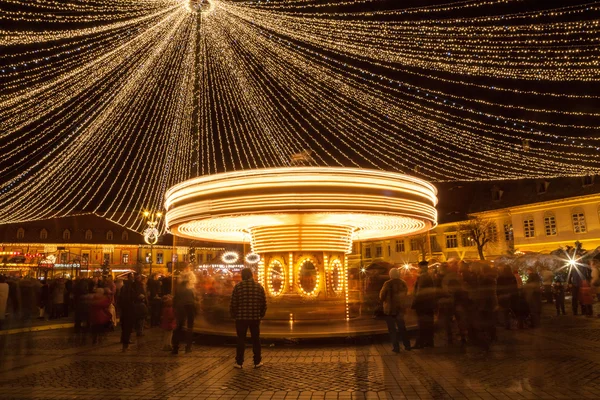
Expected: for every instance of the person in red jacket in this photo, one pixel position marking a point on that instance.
(168, 322)
(100, 317)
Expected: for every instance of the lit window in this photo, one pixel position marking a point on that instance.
(451, 241)
(508, 232)
(125, 258)
(579, 222)
(466, 241)
(109, 235)
(378, 252)
(20, 233)
(148, 258)
(88, 235)
(64, 258)
(159, 258)
(493, 232)
(400, 246)
(43, 234)
(550, 225)
(414, 245)
(368, 252)
(125, 236)
(528, 228)
(66, 234)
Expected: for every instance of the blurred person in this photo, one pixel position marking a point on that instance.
(168, 322)
(424, 305)
(248, 306)
(577, 274)
(188, 276)
(184, 303)
(3, 299)
(595, 278)
(57, 293)
(586, 298)
(487, 304)
(547, 279)
(80, 290)
(44, 303)
(449, 308)
(154, 301)
(393, 296)
(508, 294)
(127, 298)
(532, 291)
(558, 290)
(67, 297)
(99, 315)
(141, 313)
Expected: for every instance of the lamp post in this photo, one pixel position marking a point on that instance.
(151, 233)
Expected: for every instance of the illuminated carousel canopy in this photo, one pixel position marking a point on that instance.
(301, 208)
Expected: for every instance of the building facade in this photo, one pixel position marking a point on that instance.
(87, 243)
(539, 226)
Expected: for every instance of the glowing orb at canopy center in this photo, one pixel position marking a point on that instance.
(301, 208)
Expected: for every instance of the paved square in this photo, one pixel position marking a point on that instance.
(559, 361)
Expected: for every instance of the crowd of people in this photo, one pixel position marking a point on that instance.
(471, 299)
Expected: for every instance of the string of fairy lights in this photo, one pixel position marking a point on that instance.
(106, 104)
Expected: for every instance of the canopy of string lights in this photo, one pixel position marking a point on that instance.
(105, 104)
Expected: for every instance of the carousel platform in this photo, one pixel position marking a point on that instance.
(305, 329)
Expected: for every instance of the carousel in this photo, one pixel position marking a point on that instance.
(300, 224)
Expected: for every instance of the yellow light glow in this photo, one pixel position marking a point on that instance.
(301, 208)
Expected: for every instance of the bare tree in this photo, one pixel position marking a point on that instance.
(480, 231)
(421, 243)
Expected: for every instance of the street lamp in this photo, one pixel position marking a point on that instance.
(151, 233)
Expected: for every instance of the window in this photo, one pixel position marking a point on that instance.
(542, 187)
(66, 234)
(578, 222)
(588, 180)
(435, 246)
(378, 252)
(497, 194)
(85, 258)
(64, 257)
(508, 233)
(109, 235)
(88, 235)
(367, 252)
(208, 257)
(451, 241)
(159, 258)
(493, 232)
(20, 233)
(106, 258)
(125, 236)
(389, 250)
(125, 258)
(550, 225)
(43, 234)
(200, 258)
(148, 258)
(414, 244)
(466, 241)
(400, 246)
(528, 228)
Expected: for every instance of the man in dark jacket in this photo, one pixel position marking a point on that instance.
(248, 306)
(424, 305)
(127, 298)
(184, 304)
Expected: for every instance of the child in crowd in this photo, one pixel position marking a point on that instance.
(141, 313)
(558, 290)
(168, 322)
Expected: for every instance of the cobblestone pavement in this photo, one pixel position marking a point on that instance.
(559, 361)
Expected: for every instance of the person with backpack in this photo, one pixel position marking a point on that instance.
(393, 296)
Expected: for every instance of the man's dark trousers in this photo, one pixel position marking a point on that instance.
(241, 327)
(187, 313)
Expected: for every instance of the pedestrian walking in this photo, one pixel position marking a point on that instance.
(558, 291)
(185, 312)
(532, 291)
(508, 295)
(127, 298)
(141, 313)
(393, 296)
(168, 322)
(424, 305)
(3, 299)
(248, 306)
(100, 317)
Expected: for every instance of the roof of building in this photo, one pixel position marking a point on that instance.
(458, 199)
